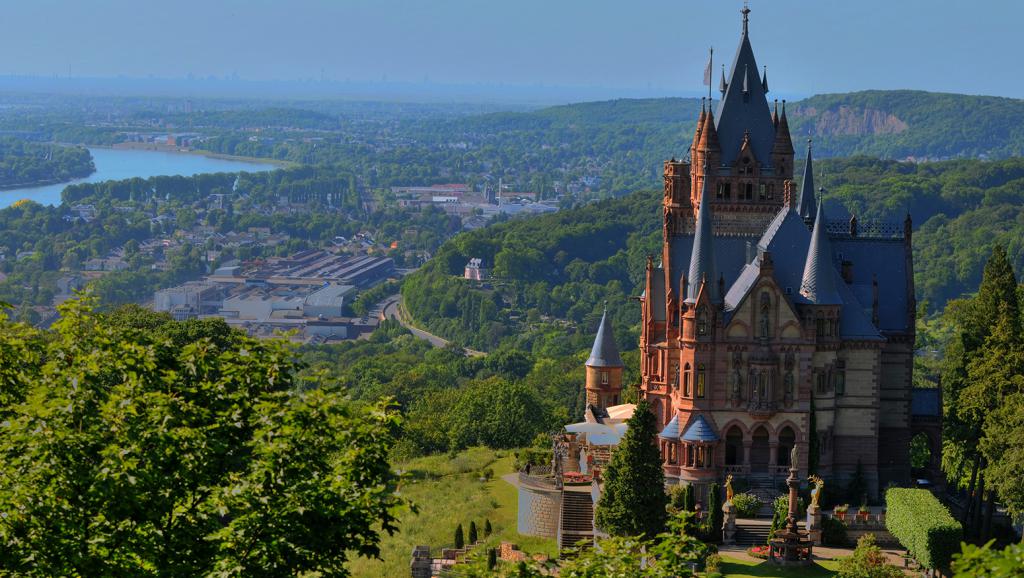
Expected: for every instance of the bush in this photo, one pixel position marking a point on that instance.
(923, 526)
(713, 564)
(833, 532)
(985, 562)
(868, 561)
(460, 539)
(747, 505)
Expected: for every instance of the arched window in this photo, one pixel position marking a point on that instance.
(702, 321)
(604, 378)
(733, 446)
(766, 314)
(840, 377)
(686, 381)
(700, 380)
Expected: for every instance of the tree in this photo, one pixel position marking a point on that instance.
(868, 561)
(986, 562)
(460, 540)
(634, 499)
(472, 532)
(487, 528)
(136, 456)
(492, 558)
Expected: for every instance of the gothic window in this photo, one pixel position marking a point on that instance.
(686, 381)
(771, 191)
(724, 191)
(748, 191)
(840, 377)
(821, 382)
(819, 326)
(763, 386)
(762, 192)
(702, 321)
(604, 378)
(753, 385)
(766, 310)
(700, 380)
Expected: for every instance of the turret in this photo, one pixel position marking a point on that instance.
(697, 131)
(805, 205)
(782, 148)
(604, 368)
(818, 284)
(702, 259)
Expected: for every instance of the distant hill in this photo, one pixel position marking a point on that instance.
(889, 124)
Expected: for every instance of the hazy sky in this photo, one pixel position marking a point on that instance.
(810, 46)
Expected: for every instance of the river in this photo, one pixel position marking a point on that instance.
(116, 164)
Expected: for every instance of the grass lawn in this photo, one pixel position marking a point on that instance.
(735, 568)
(448, 491)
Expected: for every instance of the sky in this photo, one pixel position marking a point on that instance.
(614, 47)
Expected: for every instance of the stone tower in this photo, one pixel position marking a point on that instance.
(604, 368)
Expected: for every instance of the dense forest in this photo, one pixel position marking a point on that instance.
(28, 163)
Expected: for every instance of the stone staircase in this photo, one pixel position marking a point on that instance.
(766, 489)
(752, 532)
(577, 521)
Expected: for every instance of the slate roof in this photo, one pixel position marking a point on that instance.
(806, 204)
(818, 284)
(702, 257)
(744, 107)
(605, 353)
(671, 431)
(700, 430)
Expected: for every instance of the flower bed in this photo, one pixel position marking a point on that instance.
(758, 552)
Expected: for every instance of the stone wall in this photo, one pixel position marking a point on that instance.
(538, 511)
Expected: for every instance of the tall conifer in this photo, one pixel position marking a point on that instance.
(634, 499)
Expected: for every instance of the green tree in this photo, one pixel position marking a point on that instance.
(634, 499)
(487, 528)
(472, 532)
(987, 562)
(125, 454)
(868, 561)
(460, 539)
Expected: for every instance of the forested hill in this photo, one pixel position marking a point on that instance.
(556, 271)
(890, 124)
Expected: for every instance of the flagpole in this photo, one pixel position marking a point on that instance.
(711, 67)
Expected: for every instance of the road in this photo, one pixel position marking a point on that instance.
(390, 308)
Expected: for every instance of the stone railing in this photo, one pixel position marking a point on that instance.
(541, 480)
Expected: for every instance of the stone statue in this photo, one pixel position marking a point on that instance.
(819, 484)
(728, 488)
(793, 459)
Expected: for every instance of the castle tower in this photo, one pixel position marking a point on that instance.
(604, 368)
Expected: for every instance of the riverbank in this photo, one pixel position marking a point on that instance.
(145, 146)
(45, 182)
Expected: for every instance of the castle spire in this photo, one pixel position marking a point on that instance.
(819, 280)
(708, 135)
(605, 353)
(764, 80)
(699, 129)
(805, 208)
(775, 118)
(702, 259)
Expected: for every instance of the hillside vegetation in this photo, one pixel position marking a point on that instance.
(563, 267)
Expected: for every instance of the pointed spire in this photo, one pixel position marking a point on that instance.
(805, 208)
(605, 353)
(709, 135)
(775, 117)
(699, 129)
(819, 280)
(764, 80)
(746, 80)
(702, 259)
(723, 85)
(745, 12)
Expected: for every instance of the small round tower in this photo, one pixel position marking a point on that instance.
(604, 368)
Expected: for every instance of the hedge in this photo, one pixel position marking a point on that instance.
(923, 526)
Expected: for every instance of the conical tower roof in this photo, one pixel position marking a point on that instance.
(744, 106)
(605, 353)
(709, 135)
(805, 206)
(819, 280)
(702, 258)
(700, 125)
(783, 141)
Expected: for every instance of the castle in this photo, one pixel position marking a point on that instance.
(766, 326)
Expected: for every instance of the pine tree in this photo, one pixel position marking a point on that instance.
(634, 499)
(460, 541)
(487, 528)
(715, 516)
(472, 532)
(492, 558)
(691, 499)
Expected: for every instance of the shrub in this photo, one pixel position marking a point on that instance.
(833, 532)
(460, 540)
(472, 533)
(868, 561)
(713, 564)
(487, 528)
(975, 561)
(923, 526)
(492, 558)
(746, 504)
